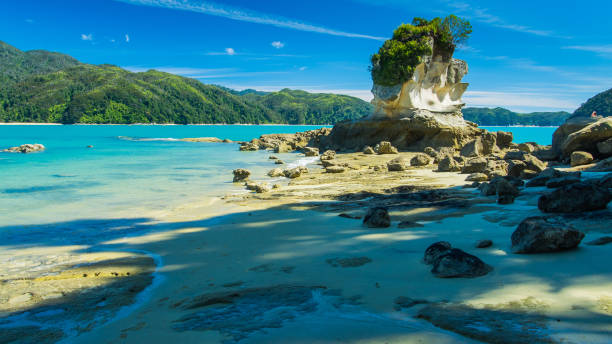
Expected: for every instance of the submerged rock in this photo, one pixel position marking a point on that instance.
(457, 263)
(484, 243)
(541, 234)
(377, 217)
(241, 174)
(575, 198)
(26, 148)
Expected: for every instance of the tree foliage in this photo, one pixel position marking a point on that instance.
(601, 103)
(396, 60)
(504, 117)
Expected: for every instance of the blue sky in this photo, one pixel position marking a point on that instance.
(523, 55)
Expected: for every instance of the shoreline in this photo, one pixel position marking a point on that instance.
(241, 124)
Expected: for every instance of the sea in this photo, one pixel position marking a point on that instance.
(134, 170)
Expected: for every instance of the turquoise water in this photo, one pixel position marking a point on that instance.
(541, 135)
(127, 178)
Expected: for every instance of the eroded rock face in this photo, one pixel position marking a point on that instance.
(540, 234)
(435, 86)
(583, 134)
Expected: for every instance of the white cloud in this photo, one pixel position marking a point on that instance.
(88, 37)
(112, 40)
(246, 16)
(277, 44)
(127, 38)
(518, 100)
(226, 51)
(230, 51)
(602, 50)
(303, 68)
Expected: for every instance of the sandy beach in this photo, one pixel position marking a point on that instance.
(284, 267)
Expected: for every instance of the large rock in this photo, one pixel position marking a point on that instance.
(540, 234)
(435, 250)
(328, 155)
(475, 165)
(448, 164)
(293, 173)
(605, 147)
(420, 159)
(504, 139)
(575, 198)
(385, 147)
(457, 263)
(412, 132)
(474, 148)
(562, 181)
(506, 192)
(276, 172)
(311, 151)
(241, 174)
(377, 217)
(586, 138)
(579, 158)
(26, 148)
(397, 164)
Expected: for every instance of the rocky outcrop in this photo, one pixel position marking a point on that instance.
(583, 134)
(377, 218)
(578, 158)
(540, 234)
(283, 143)
(26, 148)
(385, 147)
(240, 174)
(448, 164)
(575, 198)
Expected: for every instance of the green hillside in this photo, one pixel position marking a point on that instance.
(602, 103)
(504, 117)
(39, 86)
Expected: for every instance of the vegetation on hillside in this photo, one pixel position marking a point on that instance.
(397, 58)
(504, 117)
(49, 87)
(601, 103)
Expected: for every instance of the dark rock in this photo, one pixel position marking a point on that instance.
(561, 181)
(457, 263)
(349, 216)
(435, 250)
(587, 138)
(475, 165)
(473, 148)
(504, 138)
(574, 198)
(528, 174)
(377, 217)
(506, 192)
(431, 152)
(279, 162)
(489, 143)
(420, 159)
(240, 174)
(448, 164)
(606, 181)
(516, 167)
(600, 241)
(541, 234)
(402, 302)
(605, 147)
(397, 164)
(409, 224)
(484, 243)
(579, 158)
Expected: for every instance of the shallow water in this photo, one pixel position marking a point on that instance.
(131, 171)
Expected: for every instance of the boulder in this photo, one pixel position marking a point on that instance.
(368, 150)
(335, 169)
(397, 164)
(279, 162)
(474, 148)
(534, 163)
(385, 147)
(448, 164)
(262, 187)
(575, 198)
(475, 165)
(311, 151)
(516, 167)
(587, 138)
(506, 192)
(539, 234)
(604, 148)
(484, 243)
(504, 139)
(26, 148)
(489, 143)
(249, 146)
(526, 147)
(282, 147)
(420, 159)
(570, 126)
(377, 217)
(434, 251)
(457, 263)
(328, 155)
(327, 163)
(273, 157)
(293, 173)
(276, 172)
(431, 152)
(241, 174)
(477, 177)
(579, 158)
(562, 181)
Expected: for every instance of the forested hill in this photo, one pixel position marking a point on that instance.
(40, 86)
(601, 103)
(504, 117)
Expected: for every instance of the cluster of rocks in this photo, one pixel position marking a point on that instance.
(284, 143)
(26, 148)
